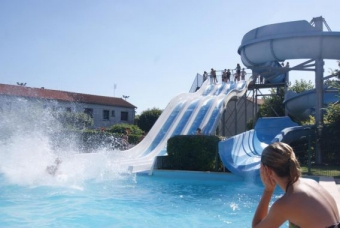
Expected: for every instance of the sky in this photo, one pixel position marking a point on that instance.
(148, 50)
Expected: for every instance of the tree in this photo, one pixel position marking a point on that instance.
(148, 118)
(273, 104)
(72, 120)
(301, 86)
(333, 110)
(120, 129)
(336, 72)
(333, 114)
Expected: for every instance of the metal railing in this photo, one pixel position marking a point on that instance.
(199, 79)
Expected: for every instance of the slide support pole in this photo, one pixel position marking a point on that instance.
(319, 63)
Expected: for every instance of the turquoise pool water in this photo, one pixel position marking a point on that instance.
(166, 199)
(91, 190)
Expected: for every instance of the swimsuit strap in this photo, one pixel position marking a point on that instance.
(292, 225)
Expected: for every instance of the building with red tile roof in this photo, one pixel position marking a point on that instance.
(105, 111)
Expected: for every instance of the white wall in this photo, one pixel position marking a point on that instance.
(10, 103)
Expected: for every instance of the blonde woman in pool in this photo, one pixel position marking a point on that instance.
(305, 204)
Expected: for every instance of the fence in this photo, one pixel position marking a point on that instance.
(327, 163)
(305, 150)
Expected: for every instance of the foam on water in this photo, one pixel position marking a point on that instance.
(27, 147)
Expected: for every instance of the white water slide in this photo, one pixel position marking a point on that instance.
(265, 45)
(182, 116)
(301, 105)
(289, 40)
(292, 40)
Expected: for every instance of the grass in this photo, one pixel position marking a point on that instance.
(322, 170)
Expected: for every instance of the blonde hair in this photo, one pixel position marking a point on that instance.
(281, 158)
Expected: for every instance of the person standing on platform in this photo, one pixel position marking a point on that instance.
(243, 74)
(205, 76)
(238, 72)
(213, 75)
(228, 75)
(224, 75)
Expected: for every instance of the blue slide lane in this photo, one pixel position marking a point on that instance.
(241, 154)
(183, 121)
(164, 128)
(200, 115)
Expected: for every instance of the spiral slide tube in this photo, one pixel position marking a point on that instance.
(264, 46)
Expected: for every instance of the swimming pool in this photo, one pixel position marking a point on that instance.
(166, 199)
(90, 190)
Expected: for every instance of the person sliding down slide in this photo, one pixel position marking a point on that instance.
(305, 204)
(52, 169)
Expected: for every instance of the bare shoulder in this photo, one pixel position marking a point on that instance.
(283, 206)
(309, 184)
(308, 181)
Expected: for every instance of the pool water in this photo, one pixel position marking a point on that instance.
(92, 190)
(165, 199)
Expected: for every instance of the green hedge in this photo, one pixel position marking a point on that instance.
(95, 139)
(193, 152)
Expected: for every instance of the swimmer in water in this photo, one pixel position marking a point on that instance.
(52, 169)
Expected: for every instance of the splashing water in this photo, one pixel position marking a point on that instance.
(94, 190)
(31, 139)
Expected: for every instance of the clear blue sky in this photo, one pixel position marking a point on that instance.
(151, 49)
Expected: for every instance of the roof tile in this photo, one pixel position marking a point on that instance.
(23, 91)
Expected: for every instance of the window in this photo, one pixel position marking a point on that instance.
(106, 114)
(89, 111)
(113, 114)
(124, 116)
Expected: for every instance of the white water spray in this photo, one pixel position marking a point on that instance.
(30, 141)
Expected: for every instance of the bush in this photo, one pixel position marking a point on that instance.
(333, 114)
(94, 140)
(135, 132)
(330, 145)
(120, 129)
(72, 120)
(148, 118)
(193, 152)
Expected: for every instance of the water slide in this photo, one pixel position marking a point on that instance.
(301, 105)
(261, 47)
(241, 154)
(182, 116)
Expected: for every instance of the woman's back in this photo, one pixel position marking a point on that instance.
(307, 204)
